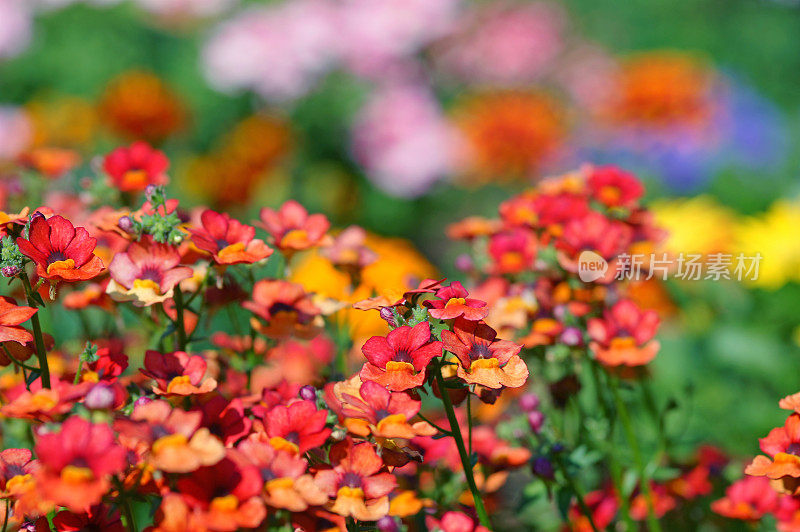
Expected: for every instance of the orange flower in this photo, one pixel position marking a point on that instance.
(177, 373)
(293, 229)
(510, 134)
(139, 105)
(229, 241)
(286, 308)
(782, 444)
(624, 336)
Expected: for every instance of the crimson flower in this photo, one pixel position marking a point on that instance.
(296, 428)
(454, 302)
(398, 361)
(60, 250)
(614, 187)
(98, 517)
(228, 240)
(133, 167)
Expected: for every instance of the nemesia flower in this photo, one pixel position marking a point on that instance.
(134, 167)
(226, 493)
(603, 504)
(77, 462)
(18, 481)
(297, 427)
(225, 419)
(662, 503)
(594, 232)
(782, 444)
(349, 249)
(453, 302)
(286, 308)
(748, 499)
(624, 335)
(98, 517)
(146, 273)
(484, 359)
(287, 484)
(293, 229)
(357, 481)
(454, 522)
(399, 360)
(11, 316)
(61, 251)
(614, 187)
(512, 252)
(175, 440)
(177, 373)
(110, 363)
(229, 241)
(40, 403)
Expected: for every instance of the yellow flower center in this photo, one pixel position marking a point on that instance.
(484, 363)
(348, 492)
(173, 440)
(610, 194)
(392, 419)
(44, 400)
(90, 376)
(17, 482)
(135, 178)
(455, 301)
(295, 237)
(399, 366)
(146, 284)
(76, 475)
(178, 381)
(512, 260)
(623, 343)
(67, 264)
(281, 444)
(283, 483)
(233, 249)
(228, 503)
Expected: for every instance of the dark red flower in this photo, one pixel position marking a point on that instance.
(297, 427)
(98, 517)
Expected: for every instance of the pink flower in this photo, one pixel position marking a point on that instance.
(146, 273)
(16, 21)
(453, 302)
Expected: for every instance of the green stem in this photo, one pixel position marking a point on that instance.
(630, 434)
(434, 425)
(466, 462)
(179, 325)
(577, 490)
(351, 524)
(44, 369)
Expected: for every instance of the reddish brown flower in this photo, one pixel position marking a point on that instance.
(229, 241)
(399, 360)
(454, 301)
(293, 229)
(77, 463)
(484, 359)
(357, 481)
(177, 373)
(61, 251)
(132, 168)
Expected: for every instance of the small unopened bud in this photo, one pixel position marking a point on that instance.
(149, 190)
(387, 523)
(387, 315)
(142, 401)
(100, 397)
(572, 336)
(536, 420)
(176, 238)
(308, 393)
(126, 224)
(10, 271)
(529, 402)
(542, 468)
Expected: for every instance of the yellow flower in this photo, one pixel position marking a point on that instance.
(695, 225)
(773, 234)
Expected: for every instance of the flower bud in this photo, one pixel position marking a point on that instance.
(387, 315)
(142, 401)
(308, 393)
(529, 402)
(387, 524)
(543, 468)
(10, 271)
(149, 190)
(536, 420)
(572, 336)
(126, 224)
(100, 397)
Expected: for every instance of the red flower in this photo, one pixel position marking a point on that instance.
(748, 499)
(226, 419)
(512, 252)
(454, 522)
(399, 360)
(77, 462)
(225, 494)
(110, 364)
(357, 481)
(61, 251)
(228, 240)
(484, 359)
(624, 335)
(10, 317)
(285, 306)
(783, 445)
(602, 503)
(177, 373)
(98, 517)
(134, 167)
(146, 273)
(292, 229)
(594, 232)
(453, 302)
(296, 428)
(614, 187)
